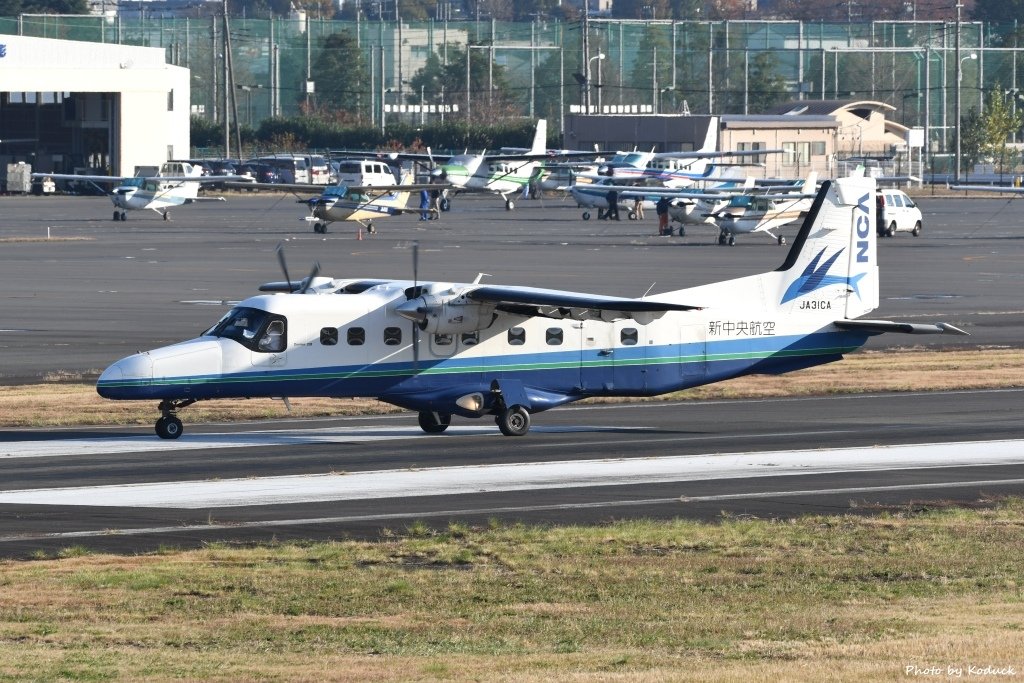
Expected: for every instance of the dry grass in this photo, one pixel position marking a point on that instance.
(818, 598)
(64, 401)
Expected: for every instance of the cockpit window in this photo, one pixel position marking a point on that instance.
(252, 328)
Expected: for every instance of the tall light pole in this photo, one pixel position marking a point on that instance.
(959, 77)
(598, 56)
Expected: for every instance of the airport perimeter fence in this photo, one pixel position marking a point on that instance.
(543, 69)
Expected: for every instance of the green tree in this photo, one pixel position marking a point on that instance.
(489, 88)
(998, 11)
(765, 84)
(984, 136)
(341, 75)
(12, 8)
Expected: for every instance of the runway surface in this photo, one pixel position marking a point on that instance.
(98, 290)
(125, 490)
(73, 307)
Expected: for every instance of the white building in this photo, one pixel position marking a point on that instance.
(67, 105)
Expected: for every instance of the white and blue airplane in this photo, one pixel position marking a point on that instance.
(177, 184)
(508, 352)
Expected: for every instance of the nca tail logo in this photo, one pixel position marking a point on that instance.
(862, 226)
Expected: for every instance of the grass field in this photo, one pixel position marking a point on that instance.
(901, 594)
(841, 598)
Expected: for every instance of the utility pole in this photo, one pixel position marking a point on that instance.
(956, 104)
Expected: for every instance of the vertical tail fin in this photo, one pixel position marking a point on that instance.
(830, 272)
(834, 257)
(540, 138)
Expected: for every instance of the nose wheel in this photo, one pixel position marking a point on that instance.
(169, 426)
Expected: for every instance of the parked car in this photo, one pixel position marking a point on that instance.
(261, 173)
(896, 212)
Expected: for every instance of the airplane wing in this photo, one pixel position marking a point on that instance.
(557, 304)
(318, 189)
(716, 155)
(986, 188)
(115, 179)
(880, 326)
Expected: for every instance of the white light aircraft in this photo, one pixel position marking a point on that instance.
(177, 183)
(670, 169)
(509, 352)
(749, 213)
(503, 174)
(359, 203)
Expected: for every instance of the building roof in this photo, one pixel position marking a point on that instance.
(737, 121)
(862, 108)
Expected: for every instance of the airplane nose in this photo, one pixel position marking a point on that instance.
(125, 373)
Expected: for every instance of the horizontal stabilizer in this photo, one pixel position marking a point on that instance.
(880, 326)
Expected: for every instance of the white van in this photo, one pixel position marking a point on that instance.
(364, 172)
(896, 212)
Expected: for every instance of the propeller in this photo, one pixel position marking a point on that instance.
(302, 285)
(416, 291)
(284, 266)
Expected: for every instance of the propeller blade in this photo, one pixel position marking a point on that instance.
(309, 279)
(284, 266)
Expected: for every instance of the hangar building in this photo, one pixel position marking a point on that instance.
(67, 106)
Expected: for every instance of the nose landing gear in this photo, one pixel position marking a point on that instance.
(169, 426)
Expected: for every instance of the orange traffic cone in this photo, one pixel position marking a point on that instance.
(359, 235)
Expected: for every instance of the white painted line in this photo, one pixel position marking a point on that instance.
(280, 437)
(446, 481)
(464, 512)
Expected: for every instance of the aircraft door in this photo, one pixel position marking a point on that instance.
(612, 356)
(692, 352)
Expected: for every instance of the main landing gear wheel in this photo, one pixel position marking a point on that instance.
(722, 237)
(782, 241)
(370, 230)
(120, 216)
(632, 215)
(513, 421)
(434, 423)
(320, 228)
(586, 215)
(732, 241)
(509, 205)
(682, 231)
(167, 215)
(446, 204)
(169, 427)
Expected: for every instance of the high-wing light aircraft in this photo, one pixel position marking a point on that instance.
(750, 213)
(177, 183)
(359, 203)
(508, 352)
(503, 174)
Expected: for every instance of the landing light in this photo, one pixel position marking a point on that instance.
(473, 402)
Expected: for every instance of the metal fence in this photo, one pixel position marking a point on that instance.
(687, 66)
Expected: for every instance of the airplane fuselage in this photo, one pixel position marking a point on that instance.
(342, 345)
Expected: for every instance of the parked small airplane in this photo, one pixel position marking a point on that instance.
(376, 195)
(177, 183)
(670, 169)
(474, 350)
(750, 213)
(503, 174)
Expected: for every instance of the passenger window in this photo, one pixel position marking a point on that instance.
(356, 336)
(470, 338)
(516, 336)
(554, 336)
(629, 336)
(392, 336)
(329, 336)
(272, 340)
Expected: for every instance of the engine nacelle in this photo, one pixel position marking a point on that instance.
(446, 314)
